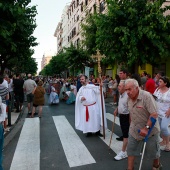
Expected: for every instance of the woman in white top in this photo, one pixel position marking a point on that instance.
(162, 94)
(53, 99)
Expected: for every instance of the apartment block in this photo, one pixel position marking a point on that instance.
(46, 59)
(69, 28)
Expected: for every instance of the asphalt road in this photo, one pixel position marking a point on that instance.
(51, 143)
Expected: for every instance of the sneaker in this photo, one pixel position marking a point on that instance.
(162, 147)
(120, 138)
(158, 168)
(6, 130)
(120, 156)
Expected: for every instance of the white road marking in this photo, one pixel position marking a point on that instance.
(116, 145)
(27, 153)
(76, 152)
(111, 118)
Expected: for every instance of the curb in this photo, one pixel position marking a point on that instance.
(14, 129)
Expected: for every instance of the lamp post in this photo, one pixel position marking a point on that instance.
(99, 57)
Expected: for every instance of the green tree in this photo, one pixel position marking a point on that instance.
(76, 58)
(58, 63)
(134, 32)
(16, 29)
(89, 29)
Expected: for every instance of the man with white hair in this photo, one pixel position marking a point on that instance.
(29, 87)
(142, 107)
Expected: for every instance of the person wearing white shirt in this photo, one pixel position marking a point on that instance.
(123, 112)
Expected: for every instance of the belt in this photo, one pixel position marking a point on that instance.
(87, 111)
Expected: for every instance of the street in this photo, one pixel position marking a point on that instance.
(52, 142)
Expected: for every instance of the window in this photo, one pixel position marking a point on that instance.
(94, 8)
(77, 3)
(86, 2)
(102, 6)
(74, 4)
(74, 32)
(77, 17)
(82, 7)
(74, 17)
(78, 40)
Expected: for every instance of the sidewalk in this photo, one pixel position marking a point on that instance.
(14, 118)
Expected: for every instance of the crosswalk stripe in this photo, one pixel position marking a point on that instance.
(76, 152)
(116, 146)
(110, 117)
(27, 153)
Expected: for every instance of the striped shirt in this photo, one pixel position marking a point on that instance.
(3, 93)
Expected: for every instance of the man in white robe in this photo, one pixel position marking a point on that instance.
(88, 109)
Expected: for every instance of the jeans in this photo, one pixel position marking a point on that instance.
(1, 144)
(164, 123)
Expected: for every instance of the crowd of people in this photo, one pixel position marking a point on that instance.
(138, 99)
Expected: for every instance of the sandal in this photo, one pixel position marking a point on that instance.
(157, 168)
(167, 148)
(31, 116)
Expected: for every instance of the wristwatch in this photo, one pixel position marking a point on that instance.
(147, 126)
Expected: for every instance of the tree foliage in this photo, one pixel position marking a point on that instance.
(72, 58)
(133, 32)
(89, 29)
(16, 29)
(77, 58)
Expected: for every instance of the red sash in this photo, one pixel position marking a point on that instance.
(87, 111)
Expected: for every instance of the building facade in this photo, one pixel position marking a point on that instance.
(68, 30)
(46, 59)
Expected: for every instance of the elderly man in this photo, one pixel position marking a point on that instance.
(142, 107)
(123, 112)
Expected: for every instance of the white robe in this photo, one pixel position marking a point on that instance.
(92, 95)
(53, 98)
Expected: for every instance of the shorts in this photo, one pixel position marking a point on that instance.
(164, 125)
(19, 98)
(30, 98)
(135, 147)
(124, 124)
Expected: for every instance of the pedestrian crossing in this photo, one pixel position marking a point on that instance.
(27, 153)
(74, 149)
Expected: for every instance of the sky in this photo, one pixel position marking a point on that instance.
(49, 14)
